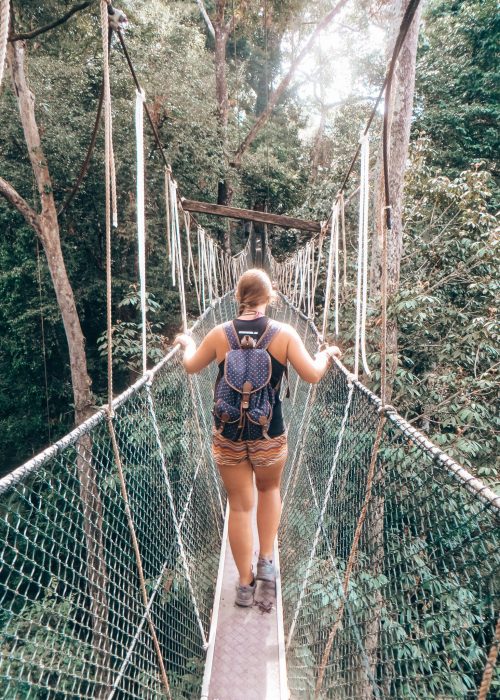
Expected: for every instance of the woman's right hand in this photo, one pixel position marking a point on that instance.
(184, 340)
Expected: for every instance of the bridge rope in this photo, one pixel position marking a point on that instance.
(440, 543)
(359, 451)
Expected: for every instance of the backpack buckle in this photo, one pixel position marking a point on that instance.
(247, 343)
(245, 399)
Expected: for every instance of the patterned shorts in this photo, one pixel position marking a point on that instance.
(260, 453)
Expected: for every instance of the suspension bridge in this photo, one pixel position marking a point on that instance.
(117, 581)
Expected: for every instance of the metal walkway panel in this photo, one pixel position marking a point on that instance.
(246, 654)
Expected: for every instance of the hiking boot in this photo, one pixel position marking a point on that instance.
(265, 570)
(244, 594)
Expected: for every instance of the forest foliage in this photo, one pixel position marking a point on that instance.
(447, 303)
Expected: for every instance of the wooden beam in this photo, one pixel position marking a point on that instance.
(263, 217)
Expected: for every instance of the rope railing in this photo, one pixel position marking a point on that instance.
(401, 602)
(155, 480)
(402, 563)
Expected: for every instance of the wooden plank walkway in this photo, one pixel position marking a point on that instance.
(246, 653)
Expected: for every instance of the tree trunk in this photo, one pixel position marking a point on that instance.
(221, 34)
(400, 113)
(48, 231)
(221, 92)
(225, 190)
(46, 227)
(317, 154)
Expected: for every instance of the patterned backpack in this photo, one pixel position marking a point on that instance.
(244, 397)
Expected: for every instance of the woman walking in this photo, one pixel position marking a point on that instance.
(250, 438)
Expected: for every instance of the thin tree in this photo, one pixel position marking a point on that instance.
(399, 112)
(46, 226)
(221, 29)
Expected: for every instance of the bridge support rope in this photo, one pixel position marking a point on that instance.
(436, 514)
(138, 559)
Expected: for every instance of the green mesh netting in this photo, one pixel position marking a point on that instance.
(422, 601)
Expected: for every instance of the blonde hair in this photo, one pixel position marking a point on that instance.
(254, 288)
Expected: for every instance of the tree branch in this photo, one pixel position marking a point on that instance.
(22, 206)
(56, 23)
(275, 96)
(26, 104)
(206, 17)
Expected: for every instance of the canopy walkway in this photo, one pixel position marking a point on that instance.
(415, 618)
(116, 578)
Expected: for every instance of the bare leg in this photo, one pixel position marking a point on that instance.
(268, 480)
(238, 481)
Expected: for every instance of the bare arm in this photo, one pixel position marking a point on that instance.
(308, 368)
(196, 359)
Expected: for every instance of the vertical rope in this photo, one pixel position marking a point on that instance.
(167, 213)
(365, 164)
(490, 664)
(107, 173)
(316, 273)
(187, 231)
(137, 553)
(177, 251)
(112, 173)
(335, 222)
(141, 224)
(329, 272)
(383, 330)
(359, 272)
(362, 276)
(4, 33)
(326, 498)
(344, 246)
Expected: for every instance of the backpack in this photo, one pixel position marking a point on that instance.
(244, 397)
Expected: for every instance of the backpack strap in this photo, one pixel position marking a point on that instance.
(271, 330)
(231, 335)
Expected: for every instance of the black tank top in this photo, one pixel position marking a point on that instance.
(255, 328)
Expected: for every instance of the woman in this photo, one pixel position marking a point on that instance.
(238, 459)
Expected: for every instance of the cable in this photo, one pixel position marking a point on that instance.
(141, 223)
(107, 169)
(88, 157)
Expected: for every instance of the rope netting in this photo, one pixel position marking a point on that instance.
(416, 618)
(72, 617)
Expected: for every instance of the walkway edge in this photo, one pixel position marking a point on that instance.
(207, 674)
(284, 692)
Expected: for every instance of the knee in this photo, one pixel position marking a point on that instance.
(241, 504)
(267, 485)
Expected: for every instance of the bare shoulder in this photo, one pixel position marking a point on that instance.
(217, 332)
(286, 330)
